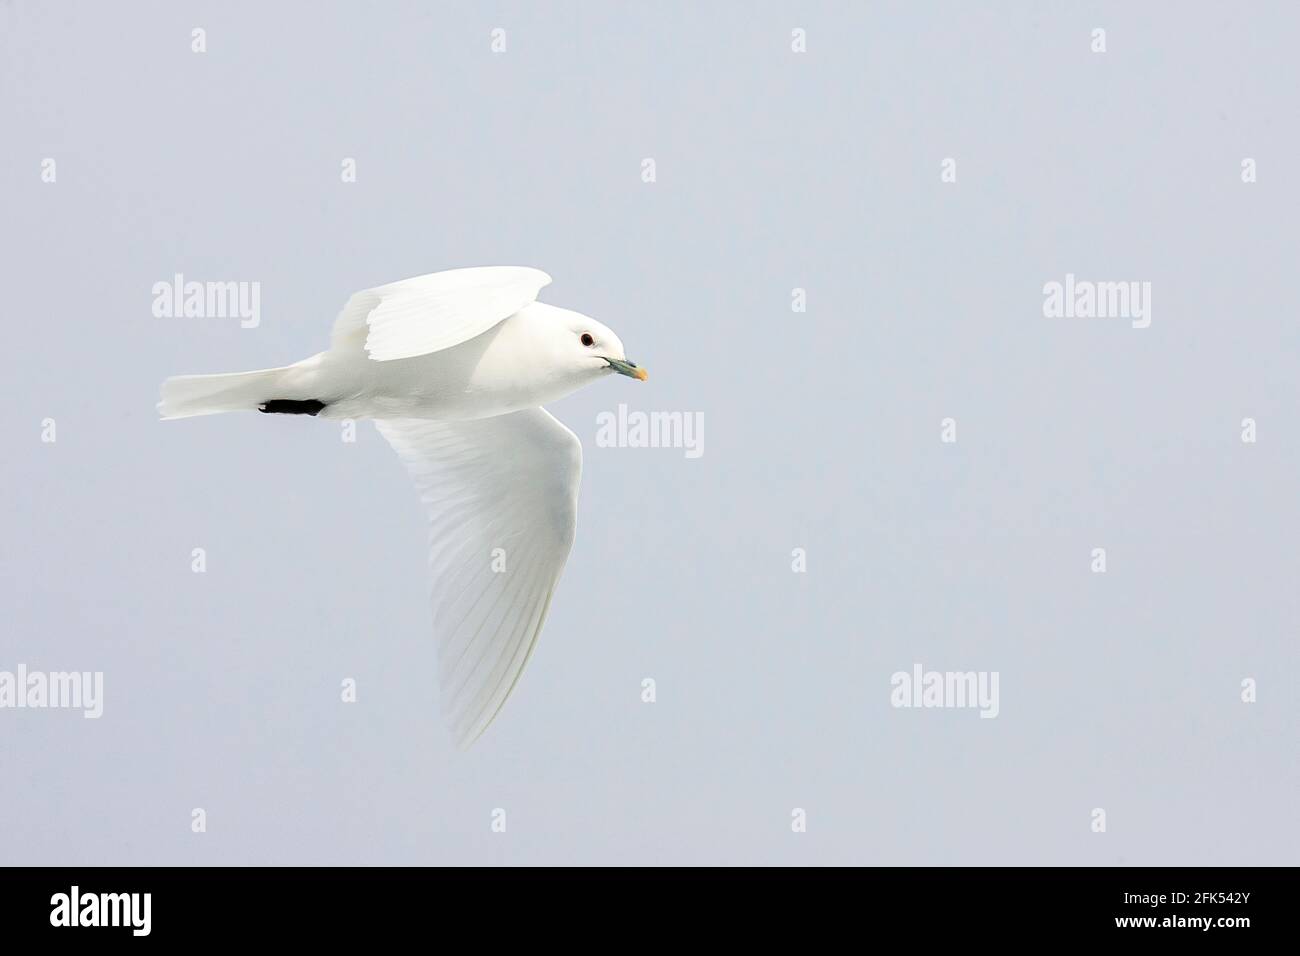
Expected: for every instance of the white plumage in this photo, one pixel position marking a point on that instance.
(453, 367)
(433, 312)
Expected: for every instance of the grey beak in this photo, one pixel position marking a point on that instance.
(624, 367)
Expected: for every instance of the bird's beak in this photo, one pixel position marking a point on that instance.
(624, 367)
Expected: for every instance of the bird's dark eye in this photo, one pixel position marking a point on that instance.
(587, 340)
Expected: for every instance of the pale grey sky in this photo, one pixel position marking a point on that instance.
(775, 170)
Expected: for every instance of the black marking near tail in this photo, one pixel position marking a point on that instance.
(288, 406)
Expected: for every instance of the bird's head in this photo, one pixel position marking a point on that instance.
(553, 352)
(594, 347)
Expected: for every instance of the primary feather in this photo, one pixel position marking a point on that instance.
(501, 496)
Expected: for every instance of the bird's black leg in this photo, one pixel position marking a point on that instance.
(288, 406)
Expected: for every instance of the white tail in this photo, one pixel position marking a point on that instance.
(188, 395)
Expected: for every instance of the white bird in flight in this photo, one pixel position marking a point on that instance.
(453, 367)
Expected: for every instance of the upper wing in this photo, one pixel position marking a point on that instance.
(435, 311)
(502, 498)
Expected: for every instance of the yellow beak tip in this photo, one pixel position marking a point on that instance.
(641, 375)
